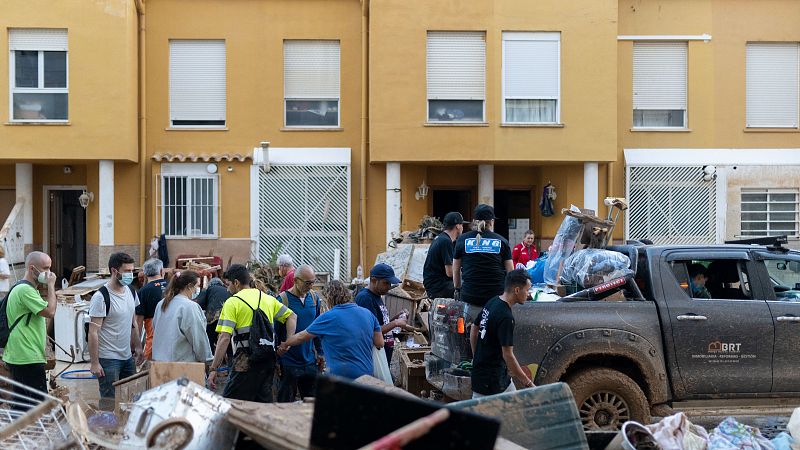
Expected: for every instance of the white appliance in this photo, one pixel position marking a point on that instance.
(70, 330)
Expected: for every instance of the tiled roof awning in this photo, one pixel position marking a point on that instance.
(202, 157)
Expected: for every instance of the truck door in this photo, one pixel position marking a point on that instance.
(722, 335)
(781, 288)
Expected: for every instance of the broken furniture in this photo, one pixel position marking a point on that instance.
(43, 426)
(156, 374)
(77, 275)
(543, 417)
(412, 370)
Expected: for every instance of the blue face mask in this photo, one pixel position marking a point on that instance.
(196, 292)
(126, 278)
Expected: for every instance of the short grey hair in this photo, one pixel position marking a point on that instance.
(152, 267)
(305, 268)
(285, 260)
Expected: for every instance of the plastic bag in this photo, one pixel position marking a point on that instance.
(381, 366)
(593, 266)
(784, 441)
(732, 435)
(676, 432)
(563, 246)
(537, 271)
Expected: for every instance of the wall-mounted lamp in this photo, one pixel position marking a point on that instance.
(709, 173)
(85, 199)
(265, 154)
(230, 168)
(422, 191)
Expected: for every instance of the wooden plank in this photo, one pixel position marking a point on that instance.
(163, 372)
(280, 426)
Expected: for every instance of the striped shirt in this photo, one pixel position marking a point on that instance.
(236, 317)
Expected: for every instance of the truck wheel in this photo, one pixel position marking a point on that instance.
(607, 398)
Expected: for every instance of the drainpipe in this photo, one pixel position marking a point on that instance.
(362, 208)
(142, 130)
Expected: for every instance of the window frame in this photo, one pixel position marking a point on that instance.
(533, 35)
(483, 119)
(170, 119)
(685, 126)
(40, 89)
(190, 171)
(338, 99)
(768, 192)
(796, 119)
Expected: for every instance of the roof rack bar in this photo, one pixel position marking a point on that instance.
(775, 241)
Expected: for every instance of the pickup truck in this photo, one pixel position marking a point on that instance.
(654, 347)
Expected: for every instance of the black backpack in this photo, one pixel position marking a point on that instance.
(107, 300)
(5, 330)
(261, 336)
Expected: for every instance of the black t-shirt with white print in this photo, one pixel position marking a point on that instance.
(483, 270)
(495, 331)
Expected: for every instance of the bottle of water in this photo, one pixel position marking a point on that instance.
(403, 315)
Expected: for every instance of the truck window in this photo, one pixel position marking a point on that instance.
(784, 276)
(713, 279)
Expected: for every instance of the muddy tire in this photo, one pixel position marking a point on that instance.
(607, 398)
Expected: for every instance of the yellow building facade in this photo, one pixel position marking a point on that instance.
(319, 128)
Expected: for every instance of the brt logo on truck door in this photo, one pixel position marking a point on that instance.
(485, 246)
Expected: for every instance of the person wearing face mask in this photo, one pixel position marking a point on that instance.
(113, 331)
(179, 325)
(248, 380)
(24, 352)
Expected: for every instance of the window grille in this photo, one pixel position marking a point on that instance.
(769, 212)
(671, 205)
(189, 205)
(304, 210)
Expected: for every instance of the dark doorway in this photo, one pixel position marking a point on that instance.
(66, 232)
(446, 200)
(513, 211)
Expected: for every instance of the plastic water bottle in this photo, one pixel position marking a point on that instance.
(403, 315)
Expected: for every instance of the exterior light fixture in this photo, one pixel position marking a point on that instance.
(85, 199)
(422, 191)
(709, 173)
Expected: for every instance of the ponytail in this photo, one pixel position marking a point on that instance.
(177, 284)
(480, 227)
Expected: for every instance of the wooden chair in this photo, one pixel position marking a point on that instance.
(77, 275)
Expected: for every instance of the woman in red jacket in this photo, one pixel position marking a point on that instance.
(525, 251)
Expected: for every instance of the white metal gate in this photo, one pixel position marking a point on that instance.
(671, 205)
(304, 210)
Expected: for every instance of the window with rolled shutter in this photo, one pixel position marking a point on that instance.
(197, 83)
(531, 77)
(773, 81)
(659, 84)
(311, 82)
(39, 76)
(456, 76)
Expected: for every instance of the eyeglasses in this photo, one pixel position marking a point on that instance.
(305, 282)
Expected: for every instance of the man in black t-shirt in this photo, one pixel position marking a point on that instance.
(492, 339)
(149, 296)
(481, 260)
(437, 274)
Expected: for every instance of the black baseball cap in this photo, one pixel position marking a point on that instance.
(484, 212)
(452, 219)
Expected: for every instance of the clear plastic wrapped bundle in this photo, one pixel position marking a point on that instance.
(592, 266)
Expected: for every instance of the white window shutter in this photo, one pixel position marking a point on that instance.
(456, 65)
(311, 69)
(773, 81)
(197, 81)
(44, 39)
(659, 75)
(531, 65)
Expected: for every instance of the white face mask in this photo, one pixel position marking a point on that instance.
(42, 277)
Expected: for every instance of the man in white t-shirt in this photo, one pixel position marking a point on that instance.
(113, 332)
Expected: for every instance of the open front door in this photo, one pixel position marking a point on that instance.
(66, 231)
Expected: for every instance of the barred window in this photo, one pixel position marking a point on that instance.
(189, 205)
(769, 212)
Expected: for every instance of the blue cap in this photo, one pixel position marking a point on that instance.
(384, 272)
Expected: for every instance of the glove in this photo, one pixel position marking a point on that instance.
(457, 294)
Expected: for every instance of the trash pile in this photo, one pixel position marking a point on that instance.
(677, 432)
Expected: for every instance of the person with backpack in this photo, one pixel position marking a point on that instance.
(247, 317)
(112, 330)
(298, 367)
(23, 330)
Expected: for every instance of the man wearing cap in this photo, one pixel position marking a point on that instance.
(381, 279)
(437, 274)
(481, 260)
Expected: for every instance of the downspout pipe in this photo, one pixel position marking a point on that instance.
(362, 210)
(142, 110)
